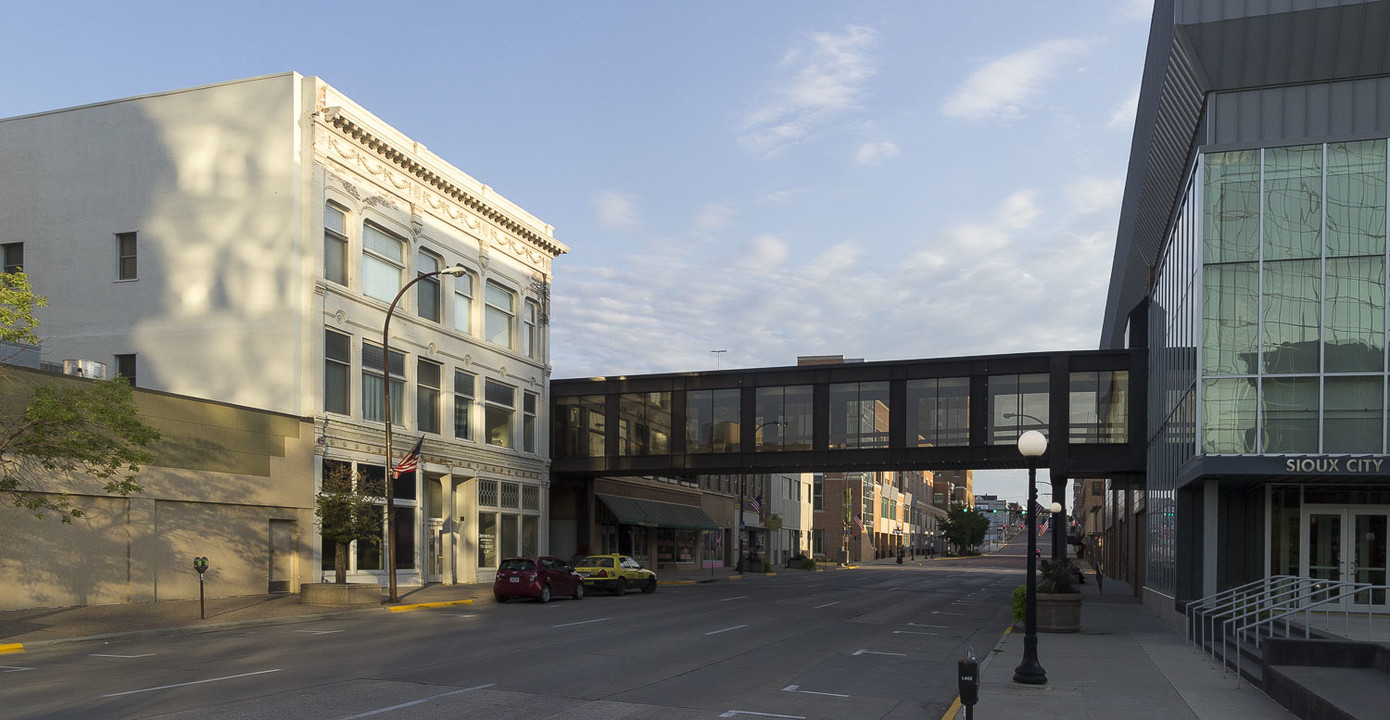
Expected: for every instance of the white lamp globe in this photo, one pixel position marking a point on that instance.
(1055, 507)
(1032, 444)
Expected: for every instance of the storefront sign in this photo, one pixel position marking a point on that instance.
(1347, 465)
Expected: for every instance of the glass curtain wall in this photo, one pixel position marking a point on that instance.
(1293, 311)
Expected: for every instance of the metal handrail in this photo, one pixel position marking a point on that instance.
(1254, 608)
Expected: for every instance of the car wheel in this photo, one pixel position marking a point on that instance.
(500, 599)
(578, 591)
(619, 587)
(545, 594)
(650, 586)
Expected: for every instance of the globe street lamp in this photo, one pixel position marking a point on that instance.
(1059, 540)
(1031, 445)
(454, 271)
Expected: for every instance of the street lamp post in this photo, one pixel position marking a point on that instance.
(1031, 445)
(454, 271)
(1059, 538)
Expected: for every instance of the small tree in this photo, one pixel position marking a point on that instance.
(963, 528)
(65, 428)
(346, 510)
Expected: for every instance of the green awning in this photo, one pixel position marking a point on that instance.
(651, 513)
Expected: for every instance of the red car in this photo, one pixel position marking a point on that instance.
(536, 577)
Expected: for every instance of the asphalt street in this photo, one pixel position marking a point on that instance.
(879, 642)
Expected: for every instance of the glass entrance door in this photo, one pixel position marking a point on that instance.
(1348, 545)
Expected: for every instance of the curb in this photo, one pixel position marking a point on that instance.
(191, 629)
(9, 648)
(421, 606)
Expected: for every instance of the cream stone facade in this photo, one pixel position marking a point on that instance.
(242, 243)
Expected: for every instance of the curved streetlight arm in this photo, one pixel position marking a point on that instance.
(454, 271)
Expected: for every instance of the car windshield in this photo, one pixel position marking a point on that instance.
(596, 562)
(518, 564)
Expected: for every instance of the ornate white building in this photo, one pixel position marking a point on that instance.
(242, 242)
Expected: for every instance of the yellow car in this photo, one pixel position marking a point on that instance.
(615, 573)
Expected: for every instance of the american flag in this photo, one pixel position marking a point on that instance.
(756, 505)
(1042, 529)
(859, 523)
(411, 462)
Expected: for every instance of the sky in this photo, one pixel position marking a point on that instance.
(769, 179)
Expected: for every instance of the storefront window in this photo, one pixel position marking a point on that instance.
(487, 540)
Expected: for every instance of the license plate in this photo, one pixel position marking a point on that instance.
(513, 579)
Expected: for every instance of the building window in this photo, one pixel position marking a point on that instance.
(463, 303)
(531, 331)
(125, 256)
(14, 257)
(500, 409)
(464, 392)
(858, 415)
(374, 389)
(335, 244)
(501, 315)
(427, 381)
(383, 261)
(427, 289)
(337, 368)
(528, 421)
(125, 367)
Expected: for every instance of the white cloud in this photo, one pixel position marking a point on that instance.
(713, 217)
(1094, 195)
(1006, 88)
(765, 252)
(781, 196)
(821, 80)
(1123, 116)
(615, 211)
(876, 153)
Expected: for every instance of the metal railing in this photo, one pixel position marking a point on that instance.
(1252, 612)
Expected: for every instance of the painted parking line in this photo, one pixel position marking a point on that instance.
(13, 668)
(934, 627)
(876, 652)
(195, 682)
(581, 622)
(797, 689)
(727, 629)
(318, 632)
(123, 657)
(913, 632)
(939, 612)
(736, 597)
(379, 711)
(734, 713)
(837, 602)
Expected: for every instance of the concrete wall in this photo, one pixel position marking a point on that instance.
(209, 180)
(221, 475)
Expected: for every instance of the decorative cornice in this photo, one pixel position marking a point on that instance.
(423, 174)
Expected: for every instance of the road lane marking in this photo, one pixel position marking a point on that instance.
(581, 622)
(736, 597)
(939, 612)
(195, 682)
(13, 668)
(732, 713)
(912, 632)
(797, 689)
(128, 657)
(370, 713)
(875, 652)
(936, 627)
(716, 632)
(319, 632)
(837, 602)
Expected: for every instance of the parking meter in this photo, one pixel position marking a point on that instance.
(968, 677)
(200, 565)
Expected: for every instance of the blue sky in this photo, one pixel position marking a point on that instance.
(882, 180)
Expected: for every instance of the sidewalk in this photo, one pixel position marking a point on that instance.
(23, 629)
(1124, 663)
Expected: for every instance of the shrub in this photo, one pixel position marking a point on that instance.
(1020, 603)
(1057, 577)
(809, 564)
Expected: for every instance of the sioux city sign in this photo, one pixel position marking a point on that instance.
(1323, 465)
